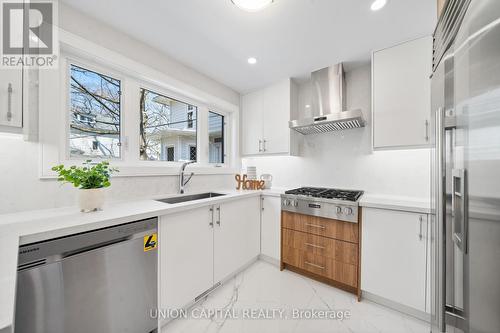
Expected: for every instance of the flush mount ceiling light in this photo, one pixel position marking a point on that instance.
(378, 4)
(252, 61)
(252, 5)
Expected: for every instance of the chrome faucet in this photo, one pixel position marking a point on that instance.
(182, 181)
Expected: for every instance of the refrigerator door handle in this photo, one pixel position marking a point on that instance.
(459, 208)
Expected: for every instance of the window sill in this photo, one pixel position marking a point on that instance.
(158, 171)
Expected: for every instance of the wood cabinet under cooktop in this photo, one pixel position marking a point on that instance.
(324, 249)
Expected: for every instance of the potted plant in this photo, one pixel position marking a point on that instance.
(91, 179)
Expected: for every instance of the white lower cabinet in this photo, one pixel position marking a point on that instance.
(202, 246)
(236, 236)
(186, 256)
(270, 227)
(394, 260)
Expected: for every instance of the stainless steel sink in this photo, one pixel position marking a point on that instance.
(192, 197)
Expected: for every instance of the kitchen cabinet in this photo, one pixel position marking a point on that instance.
(201, 247)
(186, 256)
(270, 226)
(401, 95)
(236, 236)
(395, 256)
(11, 97)
(326, 248)
(264, 120)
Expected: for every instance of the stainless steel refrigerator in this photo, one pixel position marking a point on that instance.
(465, 274)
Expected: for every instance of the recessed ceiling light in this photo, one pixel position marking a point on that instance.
(252, 5)
(307, 106)
(252, 61)
(378, 4)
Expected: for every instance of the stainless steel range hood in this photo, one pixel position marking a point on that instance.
(328, 106)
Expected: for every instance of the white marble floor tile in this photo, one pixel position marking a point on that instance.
(264, 287)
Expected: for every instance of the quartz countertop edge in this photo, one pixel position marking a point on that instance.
(34, 226)
(402, 203)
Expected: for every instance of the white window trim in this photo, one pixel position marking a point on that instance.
(54, 101)
(72, 60)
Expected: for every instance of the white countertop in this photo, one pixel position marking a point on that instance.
(33, 226)
(408, 204)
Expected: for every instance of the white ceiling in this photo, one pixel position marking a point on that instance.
(289, 38)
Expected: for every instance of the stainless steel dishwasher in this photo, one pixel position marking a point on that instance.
(102, 281)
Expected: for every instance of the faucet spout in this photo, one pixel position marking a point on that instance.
(182, 181)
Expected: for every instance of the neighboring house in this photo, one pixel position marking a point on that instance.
(178, 140)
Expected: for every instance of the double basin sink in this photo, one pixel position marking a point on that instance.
(185, 198)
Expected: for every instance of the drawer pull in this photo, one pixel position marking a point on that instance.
(316, 246)
(315, 226)
(314, 265)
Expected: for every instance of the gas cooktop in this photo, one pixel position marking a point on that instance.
(326, 193)
(331, 203)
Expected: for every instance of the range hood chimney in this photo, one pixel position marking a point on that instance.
(328, 105)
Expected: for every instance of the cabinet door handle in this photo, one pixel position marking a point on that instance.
(315, 246)
(211, 221)
(218, 216)
(262, 203)
(9, 102)
(420, 236)
(315, 226)
(260, 146)
(264, 145)
(426, 130)
(314, 265)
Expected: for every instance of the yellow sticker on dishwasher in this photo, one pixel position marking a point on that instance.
(150, 242)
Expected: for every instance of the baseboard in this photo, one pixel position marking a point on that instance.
(268, 259)
(396, 306)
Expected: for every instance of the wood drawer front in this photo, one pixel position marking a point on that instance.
(341, 251)
(341, 230)
(320, 265)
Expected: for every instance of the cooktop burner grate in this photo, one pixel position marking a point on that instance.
(326, 193)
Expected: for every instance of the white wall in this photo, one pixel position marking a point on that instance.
(20, 187)
(345, 160)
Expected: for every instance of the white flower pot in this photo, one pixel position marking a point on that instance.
(91, 200)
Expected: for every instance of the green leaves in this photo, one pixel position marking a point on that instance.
(89, 176)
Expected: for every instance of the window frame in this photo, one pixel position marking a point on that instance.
(133, 75)
(224, 136)
(189, 102)
(70, 61)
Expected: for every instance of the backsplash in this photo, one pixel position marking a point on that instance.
(345, 159)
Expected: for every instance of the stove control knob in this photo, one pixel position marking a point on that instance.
(348, 211)
(295, 203)
(286, 202)
(338, 210)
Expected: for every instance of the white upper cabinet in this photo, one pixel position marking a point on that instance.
(401, 93)
(394, 256)
(251, 123)
(11, 97)
(265, 117)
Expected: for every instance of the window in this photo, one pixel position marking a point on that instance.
(166, 123)
(95, 110)
(192, 153)
(215, 137)
(171, 153)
